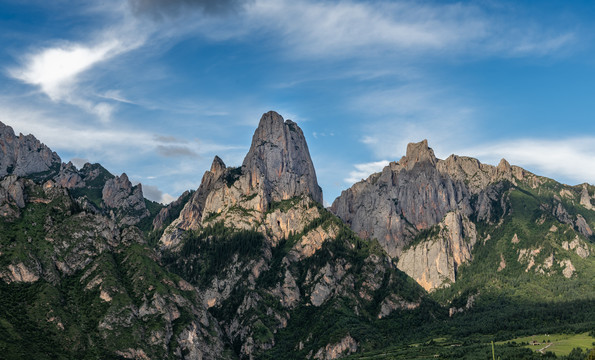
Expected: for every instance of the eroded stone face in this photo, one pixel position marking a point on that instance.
(24, 155)
(416, 193)
(346, 346)
(279, 160)
(433, 263)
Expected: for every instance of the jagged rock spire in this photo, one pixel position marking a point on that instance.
(418, 153)
(279, 160)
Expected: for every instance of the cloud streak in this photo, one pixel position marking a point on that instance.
(162, 9)
(176, 151)
(362, 171)
(571, 158)
(402, 29)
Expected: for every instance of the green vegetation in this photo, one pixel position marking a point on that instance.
(146, 223)
(446, 349)
(231, 175)
(559, 344)
(43, 176)
(67, 318)
(207, 252)
(283, 205)
(424, 235)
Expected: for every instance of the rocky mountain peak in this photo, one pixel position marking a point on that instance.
(277, 167)
(218, 166)
(24, 155)
(279, 160)
(504, 166)
(118, 193)
(116, 190)
(418, 153)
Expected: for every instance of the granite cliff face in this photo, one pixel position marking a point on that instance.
(434, 262)
(24, 155)
(278, 162)
(126, 202)
(416, 193)
(406, 197)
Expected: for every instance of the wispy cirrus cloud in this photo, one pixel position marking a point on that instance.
(162, 9)
(401, 29)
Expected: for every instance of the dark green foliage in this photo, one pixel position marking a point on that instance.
(231, 175)
(43, 176)
(22, 336)
(93, 188)
(175, 209)
(576, 354)
(209, 251)
(424, 235)
(146, 223)
(283, 205)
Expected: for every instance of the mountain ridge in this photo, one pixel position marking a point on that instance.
(251, 265)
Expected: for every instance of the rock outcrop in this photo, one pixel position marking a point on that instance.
(108, 271)
(171, 211)
(69, 177)
(128, 202)
(24, 155)
(12, 196)
(433, 263)
(346, 346)
(305, 255)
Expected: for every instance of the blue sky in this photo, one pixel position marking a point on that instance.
(157, 88)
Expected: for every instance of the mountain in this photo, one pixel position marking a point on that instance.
(77, 279)
(465, 230)
(427, 258)
(256, 241)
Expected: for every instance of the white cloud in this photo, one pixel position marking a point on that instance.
(116, 95)
(398, 30)
(60, 70)
(569, 159)
(362, 171)
(55, 70)
(167, 198)
(153, 193)
(64, 132)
